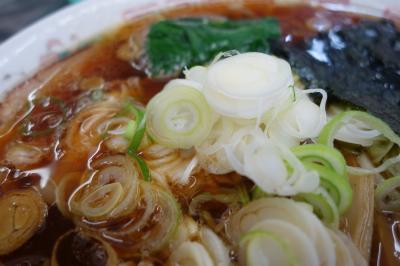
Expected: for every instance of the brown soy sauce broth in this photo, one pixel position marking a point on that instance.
(101, 61)
(386, 239)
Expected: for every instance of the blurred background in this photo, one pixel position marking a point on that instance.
(17, 14)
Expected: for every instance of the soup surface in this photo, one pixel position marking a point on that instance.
(73, 191)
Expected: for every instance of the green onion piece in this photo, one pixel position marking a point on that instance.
(293, 92)
(208, 219)
(387, 195)
(97, 95)
(130, 130)
(198, 200)
(338, 187)
(179, 116)
(267, 241)
(318, 153)
(170, 216)
(143, 167)
(323, 205)
(43, 117)
(135, 131)
(102, 200)
(258, 193)
(379, 149)
(327, 137)
(243, 194)
(140, 130)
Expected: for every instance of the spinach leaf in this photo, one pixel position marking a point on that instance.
(173, 44)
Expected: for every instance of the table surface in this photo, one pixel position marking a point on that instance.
(17, 14)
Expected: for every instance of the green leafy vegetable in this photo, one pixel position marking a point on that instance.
(173, 44)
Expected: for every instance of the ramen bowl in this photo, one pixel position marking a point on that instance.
(56, 36)
(118, 136)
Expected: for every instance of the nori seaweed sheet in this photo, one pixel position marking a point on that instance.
(359, 64)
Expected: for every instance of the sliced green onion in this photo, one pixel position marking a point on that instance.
(328, 134)
(50, 115)
(243, 194)
(130, 129)
(215, 246)
(265, 243)
(379, 149)
(231, 92)
(298, 243)
(179, 116)
(387, 196)
(143, 168)
(228, 199)
(140, 117)
(102, 201)
(323, 206)
(190, 253)
(258, 193)
(293, 92)
(134, 132)
(97, 95)
(172, 215)
(318, 153)
(337, 186)
(168, 217)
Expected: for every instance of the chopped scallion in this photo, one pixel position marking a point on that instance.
(387, 196)
(143, 168)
